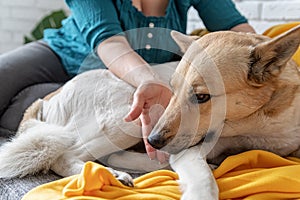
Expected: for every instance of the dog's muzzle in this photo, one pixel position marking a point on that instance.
(159, 140)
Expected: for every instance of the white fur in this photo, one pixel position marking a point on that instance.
(191, 165)
(83, 122)
(35, 150)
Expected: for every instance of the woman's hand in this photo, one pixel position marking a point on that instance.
(116, 52)
(147, 95)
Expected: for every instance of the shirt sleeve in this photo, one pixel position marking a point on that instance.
(218, 14)
(97, 20)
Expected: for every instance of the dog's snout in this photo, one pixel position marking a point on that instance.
(158, 140)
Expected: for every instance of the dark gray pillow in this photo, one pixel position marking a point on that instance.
(11, 118)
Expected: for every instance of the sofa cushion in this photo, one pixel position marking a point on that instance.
(11, 118)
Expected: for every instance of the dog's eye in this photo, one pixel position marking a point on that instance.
(200, 98)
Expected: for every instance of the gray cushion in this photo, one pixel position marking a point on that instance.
(11, 118)
(14, 189)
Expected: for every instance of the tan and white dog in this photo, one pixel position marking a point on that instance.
(232, 92)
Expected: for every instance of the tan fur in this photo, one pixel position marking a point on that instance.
(254, 88)
(32, 112)
(52, 94)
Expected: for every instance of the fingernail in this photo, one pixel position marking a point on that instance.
(127, 119)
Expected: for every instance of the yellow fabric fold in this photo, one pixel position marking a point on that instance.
(253, 175)
(96, 183)
(259, 175)
(281, 28)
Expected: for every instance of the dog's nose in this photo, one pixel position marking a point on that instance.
(157, 141)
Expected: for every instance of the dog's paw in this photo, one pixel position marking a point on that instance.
(123, 177)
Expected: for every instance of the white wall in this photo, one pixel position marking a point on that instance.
(18, 17)
(261, 14)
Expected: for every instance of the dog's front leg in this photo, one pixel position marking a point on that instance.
(195, 176)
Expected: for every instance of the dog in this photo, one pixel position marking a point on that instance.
(246, 89)
(232, 92)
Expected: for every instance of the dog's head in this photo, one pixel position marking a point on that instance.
(223, 77)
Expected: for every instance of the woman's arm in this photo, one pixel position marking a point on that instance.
(96, 20)
(220, 15)
(123, 61)
(98, 23)
(245, 27)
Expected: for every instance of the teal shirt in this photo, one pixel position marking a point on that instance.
(93, 21)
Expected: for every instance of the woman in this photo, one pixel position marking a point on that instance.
(121, 35)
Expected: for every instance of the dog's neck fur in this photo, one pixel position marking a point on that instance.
(280, 109)
(278, 118)
(286, 93)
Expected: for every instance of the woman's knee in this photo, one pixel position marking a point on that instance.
(31, 64)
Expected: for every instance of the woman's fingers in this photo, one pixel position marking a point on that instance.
(137, 107)
(155, 97)
(162, 157)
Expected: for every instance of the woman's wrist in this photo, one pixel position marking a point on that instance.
(141, 75)
(245, 27)
(124, 62)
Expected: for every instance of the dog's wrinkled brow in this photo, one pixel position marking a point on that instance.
(196, 88)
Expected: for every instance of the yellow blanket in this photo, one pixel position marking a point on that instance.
(257, 175)
(96, 183)
(278, 29)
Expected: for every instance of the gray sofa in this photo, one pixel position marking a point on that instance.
(14, 189)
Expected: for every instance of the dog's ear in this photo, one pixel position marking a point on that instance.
(183, 41)
(267, 59)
